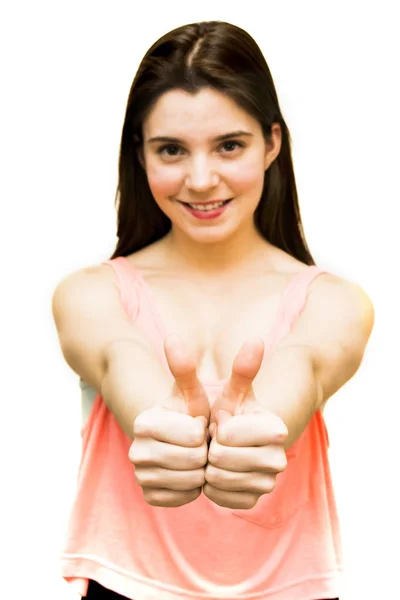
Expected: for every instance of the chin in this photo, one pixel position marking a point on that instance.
(209, 235)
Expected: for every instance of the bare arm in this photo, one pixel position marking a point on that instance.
(324, 350)
(101, 344)
(134, 380)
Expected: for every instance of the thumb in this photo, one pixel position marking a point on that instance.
(245, 367)
(221, 416)
(201, 419)
(183, 369)
(204, 424)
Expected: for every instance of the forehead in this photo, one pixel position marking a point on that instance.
(208, 112)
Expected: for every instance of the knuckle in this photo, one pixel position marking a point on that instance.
(199, 478)
(236, 500)
(281, 461)
(250, 501)
(199, 456)
(209, 491)
(246, 501)
(214, 454)
(167, 498)
(155, 497)
(139, 476)
(144, 477)
(142, 424)
(134, 452)
(275, 461)
(141, 452)
(211, 474)
(198, 434)
(190, 496)
(268, 485)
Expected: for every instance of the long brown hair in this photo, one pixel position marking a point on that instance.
(224, 57)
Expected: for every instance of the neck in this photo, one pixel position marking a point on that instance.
(209, 258)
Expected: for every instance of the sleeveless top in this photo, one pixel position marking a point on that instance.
(285, 548)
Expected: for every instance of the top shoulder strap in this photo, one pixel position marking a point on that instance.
(296, 293)
(127, 284)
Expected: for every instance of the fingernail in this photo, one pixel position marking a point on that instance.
(211, 430)
(205, 422)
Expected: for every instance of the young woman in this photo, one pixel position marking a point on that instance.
(209, 344)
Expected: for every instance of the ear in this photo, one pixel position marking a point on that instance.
(273, 145)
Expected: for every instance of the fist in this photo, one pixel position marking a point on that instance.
(245, 456)
(170, 444)
(247, 448)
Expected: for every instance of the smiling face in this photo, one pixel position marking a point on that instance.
(204, 148)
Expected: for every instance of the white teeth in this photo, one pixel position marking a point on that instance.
(206, 206)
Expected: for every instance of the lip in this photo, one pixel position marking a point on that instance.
(206, 215)
(208, 201)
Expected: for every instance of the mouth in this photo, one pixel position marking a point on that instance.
(206, 212)
(206, 207)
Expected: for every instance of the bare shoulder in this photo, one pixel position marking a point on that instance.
(335, 326)
(333, 304)
(144, 259)
(335, 290)
(341, 304)
(97, 274)
(89, 317)
(330, 294)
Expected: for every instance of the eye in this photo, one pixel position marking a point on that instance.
(169, 147)
(172, 150)
(235, 144)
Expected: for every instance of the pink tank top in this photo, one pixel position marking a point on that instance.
(285, 548)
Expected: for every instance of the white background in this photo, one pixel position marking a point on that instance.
(66, 72)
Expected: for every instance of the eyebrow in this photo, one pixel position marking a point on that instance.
(219, 138)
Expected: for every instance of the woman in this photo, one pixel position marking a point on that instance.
(211, 342)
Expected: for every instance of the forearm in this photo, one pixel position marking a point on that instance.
(134, 380)
(287, 384)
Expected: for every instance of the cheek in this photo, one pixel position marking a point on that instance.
(242, 177)
(247, 177)
(163, 182)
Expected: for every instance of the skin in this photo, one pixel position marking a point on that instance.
(217, 285)
(202, 271)
(201, 170)
(199, 274)
(173, 457)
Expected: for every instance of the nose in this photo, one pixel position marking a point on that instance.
(201, 175)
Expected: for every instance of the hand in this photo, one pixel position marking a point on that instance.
(170, 446)
(247, 447)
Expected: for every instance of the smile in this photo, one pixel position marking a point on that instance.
(209, 206)
(206, 211)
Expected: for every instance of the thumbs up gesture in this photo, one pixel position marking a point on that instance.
(247, 447)
(170, 444)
